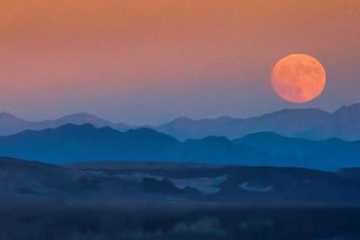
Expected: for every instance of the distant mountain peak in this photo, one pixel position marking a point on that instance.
(226, 119)
(294, 111)
(80, 115)
(143, 130)
(216, 139)
(71, 125)
(85, 117)
(351, 108)
(182, 119)
(264, 135)
(6, 115)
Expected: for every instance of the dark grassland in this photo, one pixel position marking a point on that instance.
(60, 221)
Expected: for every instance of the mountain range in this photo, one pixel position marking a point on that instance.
(73, 143)
(10, 124)
(313, 124)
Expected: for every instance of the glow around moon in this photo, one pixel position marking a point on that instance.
(298, 78)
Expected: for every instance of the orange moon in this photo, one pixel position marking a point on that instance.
(298, 78)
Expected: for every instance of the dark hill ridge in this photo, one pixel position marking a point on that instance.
(112, 164)
(24, 180)
(72, 143)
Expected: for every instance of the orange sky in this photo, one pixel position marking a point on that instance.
(167, 58)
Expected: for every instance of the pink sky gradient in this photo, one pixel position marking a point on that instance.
(151, 61)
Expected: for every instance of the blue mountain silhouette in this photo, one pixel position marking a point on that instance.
(73, 143)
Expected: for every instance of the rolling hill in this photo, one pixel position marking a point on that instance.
(22, 180)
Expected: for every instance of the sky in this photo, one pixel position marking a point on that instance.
(148, 62)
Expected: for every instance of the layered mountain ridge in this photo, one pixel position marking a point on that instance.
(72, 143)
(313, 124)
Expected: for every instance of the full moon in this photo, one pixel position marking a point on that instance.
(298, 78)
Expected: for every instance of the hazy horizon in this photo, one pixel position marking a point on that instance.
(292, 106)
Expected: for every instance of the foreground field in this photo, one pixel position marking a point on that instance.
(176, 221)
